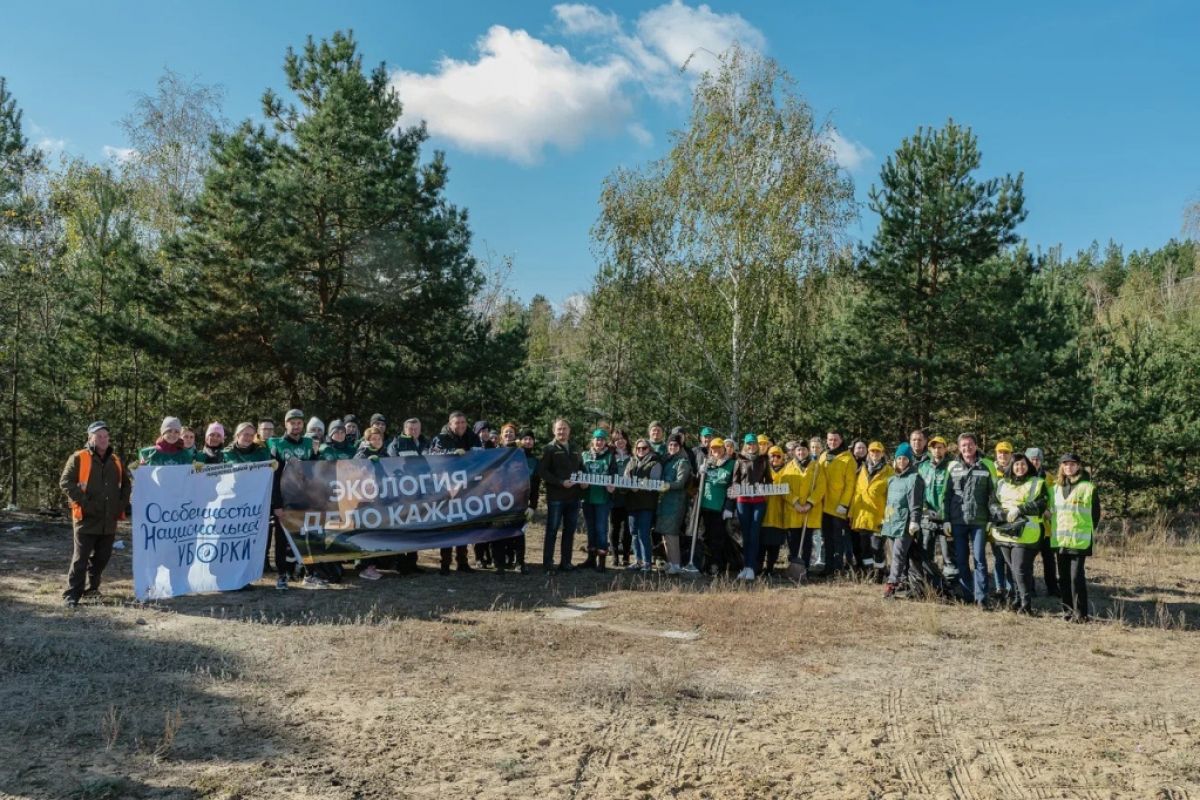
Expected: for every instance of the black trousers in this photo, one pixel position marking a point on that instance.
(718, 547)
(1020, 569)
(285, 559)
(620, 538)
(459, 553)
(509, 552)
(483, 553)
(834, 531)
(1072, 583)
(89, 557)
(1049, 565)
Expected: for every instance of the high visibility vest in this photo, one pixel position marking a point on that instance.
(1073, 517)
(1014, 495)
(85, 474)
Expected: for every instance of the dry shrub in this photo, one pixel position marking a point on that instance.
(650, 681)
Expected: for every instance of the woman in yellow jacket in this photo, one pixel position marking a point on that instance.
(774, 529)
(807, 490)
(866, 510)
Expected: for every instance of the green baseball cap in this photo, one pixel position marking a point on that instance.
(749, 438)
(706, 431)
(599, 433)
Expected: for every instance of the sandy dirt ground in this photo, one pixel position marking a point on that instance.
(594, 686)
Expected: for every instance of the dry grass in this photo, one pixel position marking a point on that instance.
(467, 686)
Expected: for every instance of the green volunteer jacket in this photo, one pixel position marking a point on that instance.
(598, 464)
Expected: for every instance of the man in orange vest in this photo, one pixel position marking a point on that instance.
(97, 488)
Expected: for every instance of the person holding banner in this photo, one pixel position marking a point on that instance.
(774, 527)
(621, 541)
(455, 438)
(751, 468)
(97, 487)
(409, 442)
(246, 448)
(169, 449)
(597, 500)
(292, 446)
(715, 508)
(371, 445)
(559, 460)
(213, 451)
(644, 464)
(672, 505)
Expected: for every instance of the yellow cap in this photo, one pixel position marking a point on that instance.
(763, 440)
(938, 440)
(1004, 447)
(716, 444)
(775, 450)
(876, 446)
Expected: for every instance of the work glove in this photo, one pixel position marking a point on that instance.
(914, 528)
(372, 458)
(197, 466)
(727, 515)
(841, 510)
(664, 488)
(274, 465)
(1012, 515)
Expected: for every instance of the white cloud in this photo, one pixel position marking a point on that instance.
(680, 32)
(850, 155)
(118, 154)
(580, 19)
(518, 97)
(51, 146)
(522, 95)
(639, 133)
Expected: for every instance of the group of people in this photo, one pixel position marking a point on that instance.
(919, 522)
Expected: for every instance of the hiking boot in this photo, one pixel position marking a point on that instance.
(590, 561)
(315, 581)
(746, 574)
(463, 566)
(71, 602)
(281, 583)
(94, 593)
(370, 573)
(600, 559)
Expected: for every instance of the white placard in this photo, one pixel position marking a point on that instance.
(199, 531)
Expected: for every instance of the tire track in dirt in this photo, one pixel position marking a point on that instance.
(899, 734)
(958, 773)
(595, 766)
(1006, 772)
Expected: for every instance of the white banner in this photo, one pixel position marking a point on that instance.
(199, 531)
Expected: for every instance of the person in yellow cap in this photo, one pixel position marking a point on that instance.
(838, 468)
(716, 508)
(774, 530)
(867, 508)
(1004, 592)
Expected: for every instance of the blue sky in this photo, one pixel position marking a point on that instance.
(1098, 103)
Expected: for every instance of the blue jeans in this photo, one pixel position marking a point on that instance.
(595, 515)
(750, 515)
(971, 540)
(566, 513)
(1001, 574)
(639, 523)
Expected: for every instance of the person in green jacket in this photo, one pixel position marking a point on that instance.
(672, 505)
(292, 446)
(934, 527)
(715, 510)
(338, 447)
(169, 449)
(246, 448)
(597, 500)
(213, 451)
(902, 517)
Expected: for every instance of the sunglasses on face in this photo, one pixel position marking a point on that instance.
(641, 447)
